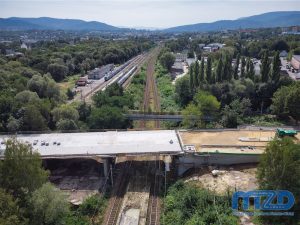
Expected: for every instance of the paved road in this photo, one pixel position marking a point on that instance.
(283, 67)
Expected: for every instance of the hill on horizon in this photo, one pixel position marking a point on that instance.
(271, 19)
(47, 23)
(265, 20)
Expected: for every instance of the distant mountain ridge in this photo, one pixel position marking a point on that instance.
(271, 19)
(47, 23)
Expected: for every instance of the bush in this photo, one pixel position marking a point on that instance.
(187, 204)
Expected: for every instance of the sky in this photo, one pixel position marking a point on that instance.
(144, 13)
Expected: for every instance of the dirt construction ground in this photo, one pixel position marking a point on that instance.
(240, 177)
(228, 138)
(199, 138)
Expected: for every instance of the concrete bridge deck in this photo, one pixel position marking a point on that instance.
(101, 144)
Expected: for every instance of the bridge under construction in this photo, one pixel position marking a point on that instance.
(134, 165)
(188, 148)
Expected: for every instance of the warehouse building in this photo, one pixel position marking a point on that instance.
(98, 73)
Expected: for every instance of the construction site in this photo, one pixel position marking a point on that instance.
(135, 166)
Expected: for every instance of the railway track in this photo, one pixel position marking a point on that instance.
(136, 62)
(139, 64)
(151, 95)
(153, 215)
(119, 191)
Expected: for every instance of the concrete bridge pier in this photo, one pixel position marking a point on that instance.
(106, 167)
(106, 162)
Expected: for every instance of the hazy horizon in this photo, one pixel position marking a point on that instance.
(144, 13)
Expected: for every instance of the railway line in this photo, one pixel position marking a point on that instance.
(130, 185)
(153, 215)
(139, 65)
(118, 193)
(136, 62)
(151, 96)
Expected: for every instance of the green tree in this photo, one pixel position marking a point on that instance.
(66, 124)
(27, 97)
(94, 205)
(219, 71)
(57, 71)
(33, 120)
(192, 116)
(248, 61)
(6, 106)
(191, 75)
(167, 60)
(286, 101)
(204, 105)
(236, 67)
(107, 117)
(279, 169)
(84, 111)
(37, 84)
(190, 205)
(251, 72)
(183, 94)
(202, 75)
(233, 114)
(243, 64)
(265, 67)
(280, 45)
(14, 124)
(21, 171)
(207, 103)
(70, 94)
(196, 75)
(50, 205)
(65, 112)
(113, 96)
(276, 64)
(10, 213)
(208, 71)
(227, 70)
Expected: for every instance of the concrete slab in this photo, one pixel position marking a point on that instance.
(101, 143)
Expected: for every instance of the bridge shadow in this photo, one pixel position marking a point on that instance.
(75, 174)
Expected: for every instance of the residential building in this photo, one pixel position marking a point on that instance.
(283, 54)
(176, 69)
(212, 47)
(189, 61)
(295, 62)
(180, 57)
